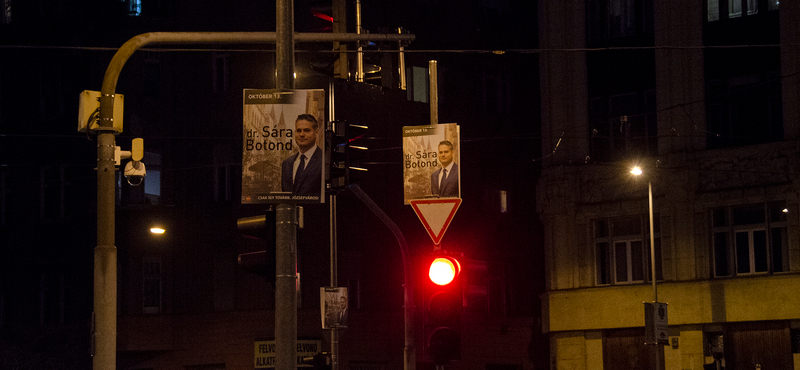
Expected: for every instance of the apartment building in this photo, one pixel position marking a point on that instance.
(703, 96)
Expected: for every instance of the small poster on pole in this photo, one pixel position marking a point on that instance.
(334, 307)
(431, 158)
(656, 326)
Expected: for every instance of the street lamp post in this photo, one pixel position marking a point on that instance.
(657, 349)
(652, 241)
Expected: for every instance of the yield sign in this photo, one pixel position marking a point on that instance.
(436, 215)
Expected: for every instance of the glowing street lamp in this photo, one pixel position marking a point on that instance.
(636, 171)
(659, 352)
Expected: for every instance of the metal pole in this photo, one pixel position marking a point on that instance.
(652, 242)
(334, 281)
(105, 253)
(285, 217)
(284, 44)
(360, 54)
(340, 66)
(285, 287)
(433, 77)
(334, 263)
(401, 62)
(410, 350)
(658, 349)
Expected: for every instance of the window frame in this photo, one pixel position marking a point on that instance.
(717, 10)
(606, 259)
(726, 236)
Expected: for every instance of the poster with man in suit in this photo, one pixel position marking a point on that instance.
(283, 146)
(431, 162)
(334, 307)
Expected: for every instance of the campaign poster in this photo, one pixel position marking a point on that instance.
(431, 158)
(334, 307)
(283, 146)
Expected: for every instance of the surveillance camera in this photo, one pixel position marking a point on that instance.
(135, 173)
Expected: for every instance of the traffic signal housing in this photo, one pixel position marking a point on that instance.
(443, 296)
(346, 153)
(261, 262)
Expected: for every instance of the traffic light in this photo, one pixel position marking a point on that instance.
(346, 154)
(261, 262)
(443, 307)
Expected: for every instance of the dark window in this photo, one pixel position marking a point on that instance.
(743, 109)
(495, 91)
(151, 285)
(621, 82)
(152, 76)
(151, 8)
(20, 190)
(220, 72)
(742, 73)
(612, 21)
(51, 299)
(52, 192)
(623, 125)
(749, 239)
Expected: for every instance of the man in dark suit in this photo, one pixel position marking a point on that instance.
(301, 173)
(444, 181)
(343, 312)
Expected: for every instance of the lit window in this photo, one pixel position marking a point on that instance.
(134, 7)
(728, 9)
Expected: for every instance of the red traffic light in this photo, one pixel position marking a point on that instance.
(444, 270)
(443, 308)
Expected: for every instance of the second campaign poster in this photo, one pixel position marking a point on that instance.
(333, 306)
(431, 157)
(283, 146)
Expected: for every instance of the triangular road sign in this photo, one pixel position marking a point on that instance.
(436, 215)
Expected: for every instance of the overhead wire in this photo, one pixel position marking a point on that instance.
(682, 105)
